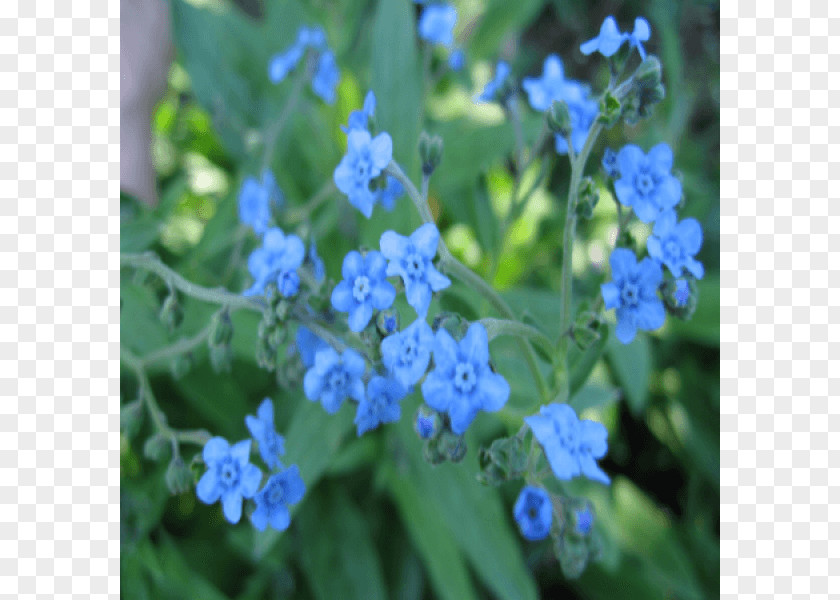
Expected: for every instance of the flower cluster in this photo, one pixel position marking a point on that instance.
(276, 261)
(325, 73)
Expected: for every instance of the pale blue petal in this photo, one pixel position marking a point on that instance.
(250, 481)
(563, 463)
(654, 247)
(419, 296)
(641, 29)
(342, 297)
(474, 344)
(259, 518)
(650, 315)
(622, 263)
(393, 246)
(215, 449)
(494, 391)
(591, 469)
(590, 46)
(437, 392)
(280, 518)
(425, 240)
(665, 224)
(381, 149)
(208, 490)
(661, 157)
(593, 436)
(383, 295)
(232, 506)
(435, 279)
(357, 390)
(295, 488)
(611, 295)
(461, 414)
(354, 364)
(695, 267)
(445, 349)
(625, 191)
(325, 359)
(691, 236)
(312, 383)
(241, 452)
(375, 265)
(353, 266)
(630, 159)
(255, 426)
(359, 317)
(646, 209)
(293, 255)
(625, 328)
(265, 412)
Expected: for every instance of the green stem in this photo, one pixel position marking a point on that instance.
(179, 347)
(421, 205)
(497, 327)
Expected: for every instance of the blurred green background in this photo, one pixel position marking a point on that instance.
(377, 521)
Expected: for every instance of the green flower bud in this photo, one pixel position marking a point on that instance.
(157, 447)
(504, 460)
(431, 151)
(221, 358)
(609, 110)
(558, 118)
(171, 313)
(181, 365)
(432, 453)
(131, 417)
(452, 445)
(221, 328)
(178, 476)
(587, 198)
(649, 73)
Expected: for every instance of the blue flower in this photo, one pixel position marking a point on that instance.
(457, 59)
(682, 292)
(406, 354)
(675, 244)
(262, 430)
(318, 269)
(641, 33)
(381, 405)
(364, 161)
(256, 199)
(359, 118)
(610, 163)
(570, 445)
(533, 513)
(326, 77)
(496, 85)
(281, 490)
(542, 91)
(583, 521)
(284, 63)
(632, 292)
(462, 382)
(288, 283)
(334, 377)
(229, 476)
(276, 261)
(411, 258)
(389, 195)
(646, 182)
(608, 42)
(313, 37)
(582, 113)
(307, 344)
(437, 22)
(363, 289)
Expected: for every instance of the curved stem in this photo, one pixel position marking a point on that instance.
(179, 347)
(497, 327)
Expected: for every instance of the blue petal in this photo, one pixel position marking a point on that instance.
(646, 209)
(563, 463)
(436, 281)
(393, 246)
(625, 328)
(354, 364)
(265, 412)
(622, 263)
(419, 296)
(332, 400)
(445, 349)
(630, 159)
(590, 468)
(650, 315)
(250, 481)
(661, 157)
(241, 452)
(665, 224)
(691, 236)
(625, 191)
(542, 426)
(325, 359)
(590, 46)
(654, 247)
(215, 449)
(208, 490)
(695, 267)
(255, 426)
(593, 436)
(668, 193)
(474, 344)
(357, 390)
(259, 518)
(293, 255)
(494, 391)
(280, 518)
(381, 149)
(342, 297)
(383, 295)
(232, 506)
(437, 391)
(641, 29)
(359, 317)
(312, 384)
(425, 240)
(295, 489)
(352, 266)
(375, 265)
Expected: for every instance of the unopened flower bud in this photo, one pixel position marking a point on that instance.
(156, 447)
(431, 151)
(171, 313)
(558, 118)
(178, 476)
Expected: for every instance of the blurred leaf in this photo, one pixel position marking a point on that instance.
(593, 395)
(502, 18)
(704, 326)
(581, 362)
(140, 328)
(631, 364)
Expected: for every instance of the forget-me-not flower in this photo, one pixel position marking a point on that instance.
(307, 344)
(256, 199)
(275, 261)
(363, 289)
(381, 405)
(462, 382)
(333, 377)
(550, 86)
(640, 33)
(570, 445)
(262, 430)
(495, 86)
(582, 113)
(437, 22)
(284, 63)
(608, 42)
(229, 476)
(533, 513)
(281, 490)
(675, 244)
(632, 292)
(646, 183)
(389, 195)
(406, 354)
(326, 77)
(359, 118)
(411, 258)
(365, 159)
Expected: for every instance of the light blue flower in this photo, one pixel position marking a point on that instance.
(493, 90)
(262, 430)
(381, 405)
(632, 292)
(334, 377)
(281, 490)
(608, 42)
(462, 382)
(363, 289)
(364, 161)
(284, 63)
(275, 261)
(411, 258)
(570, 445)
(437, 22)
(582, 113)
(675, 244)
(256, 200)
(326, 77)
(533, 513)
(229, 476)
(313, 37)
(550, 86)
(646, 183)
(307, 344)
(641, 33)
(359, 118)
(406, 354)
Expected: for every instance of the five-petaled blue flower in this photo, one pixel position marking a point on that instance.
(307, 344)
(640, 33)
(326, 77)
(229, 476)
(543, 90)
(533, 513)
(406, 354)
(411, 258)
(381, 405)
(334, 377)
(646, 183)
(632, 292)
(256, 199)
(570, 445)
(363, 289)
(582, 113)
(462, 382)
(364, 161)
(262, 430)
(608, 42)
(437, 22)
(276, 261)
(675, 244)
(281, 490)
(496, 85)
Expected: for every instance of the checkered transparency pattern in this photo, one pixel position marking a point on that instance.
(59, 302)
(780, 159)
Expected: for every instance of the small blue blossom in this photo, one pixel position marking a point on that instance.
(307, 344)
(533, 513)
(276, 261)
(389, 195)
(682, 292)
(495, 86)
(381, 405)
(281, 490)
(462, 382)
(583, 521)
(436, 24)
(284, 63)
(570, 445)
(543, 90)
(632, 292)
(359, 118)
(641, 33)
(406, 354)
(326, 77)
(646, 182)
(675, 244)
(262, 430)
(411, 258)
(426, 423)
(256, 200)
(288, 283)
(364, 161)
(608, 42)
(582, 113)
(229, 476)
(457, 59)
(334, 377)
(313, 37)
(610, 163)
(318, 270)
(363, 289)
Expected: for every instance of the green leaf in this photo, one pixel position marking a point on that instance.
(593, 395)
(581, 362)
(502, 18)
(631, 365)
